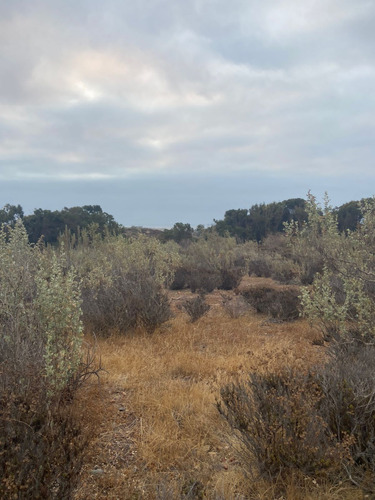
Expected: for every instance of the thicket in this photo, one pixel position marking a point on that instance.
(278, 302)
(256, 223)
(124, 281)
(40, 364)
(321, 422)
(211, 262)
(196, 307)
(273, 258)
(235, 306)
(180, 233)
(341, 298)
(265, 219)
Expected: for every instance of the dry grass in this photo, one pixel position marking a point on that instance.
(156, 433)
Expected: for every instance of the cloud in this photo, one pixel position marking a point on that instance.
(93, 90)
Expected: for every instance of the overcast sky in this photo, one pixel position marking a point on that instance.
(177, 110)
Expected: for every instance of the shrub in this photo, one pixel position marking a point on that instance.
(230, 278)
(40, 365)
(203, 280)
(42, 441)
(196, 307)
(341, 299)
(310, 264)
(211, 262)
(148, 301)
(105, 308)
(347, 383)
(272, 259)
(284, 270)
(276, 420)
(320, 421)
(273, 266)
(235, 306)
(261, 266)
(130, 300)
(181, 279)
(123, 283)
(280, 302)
(309, 242)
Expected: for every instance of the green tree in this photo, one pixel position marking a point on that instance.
(51, 224)
(349, 216)
(236, 223)
(180, 232)
(9, 214)
(44, 223)
(261, 219)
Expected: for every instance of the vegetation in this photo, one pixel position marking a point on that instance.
(278, 302)
(254, 224)
(180, 233)
(51, 224)
(9, 214)
(341, 299)
(168, 435)
(261, 220)
(320, 423)
(123, 281)
(270, 394)
(40, 366)
(211, 262)
(196, 307)
(321, 420)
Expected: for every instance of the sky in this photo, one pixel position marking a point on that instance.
(165, 111)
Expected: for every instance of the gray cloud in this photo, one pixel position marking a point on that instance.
(142, 90)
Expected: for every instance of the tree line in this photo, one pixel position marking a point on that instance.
(253, 224)
(51, 224)
(261, 220)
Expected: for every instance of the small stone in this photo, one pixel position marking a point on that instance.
(121, 408)
(97, 471)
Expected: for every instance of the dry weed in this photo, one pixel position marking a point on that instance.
(156, 431)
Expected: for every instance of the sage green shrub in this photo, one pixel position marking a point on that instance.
(271, 258)
(58, 306)
(308, 242)
(124, 281)
(341, 299)
(211, 262)
(40, 365)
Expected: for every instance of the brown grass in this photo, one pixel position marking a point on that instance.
(156, 432)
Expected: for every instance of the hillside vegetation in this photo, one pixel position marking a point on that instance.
(203, 366)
